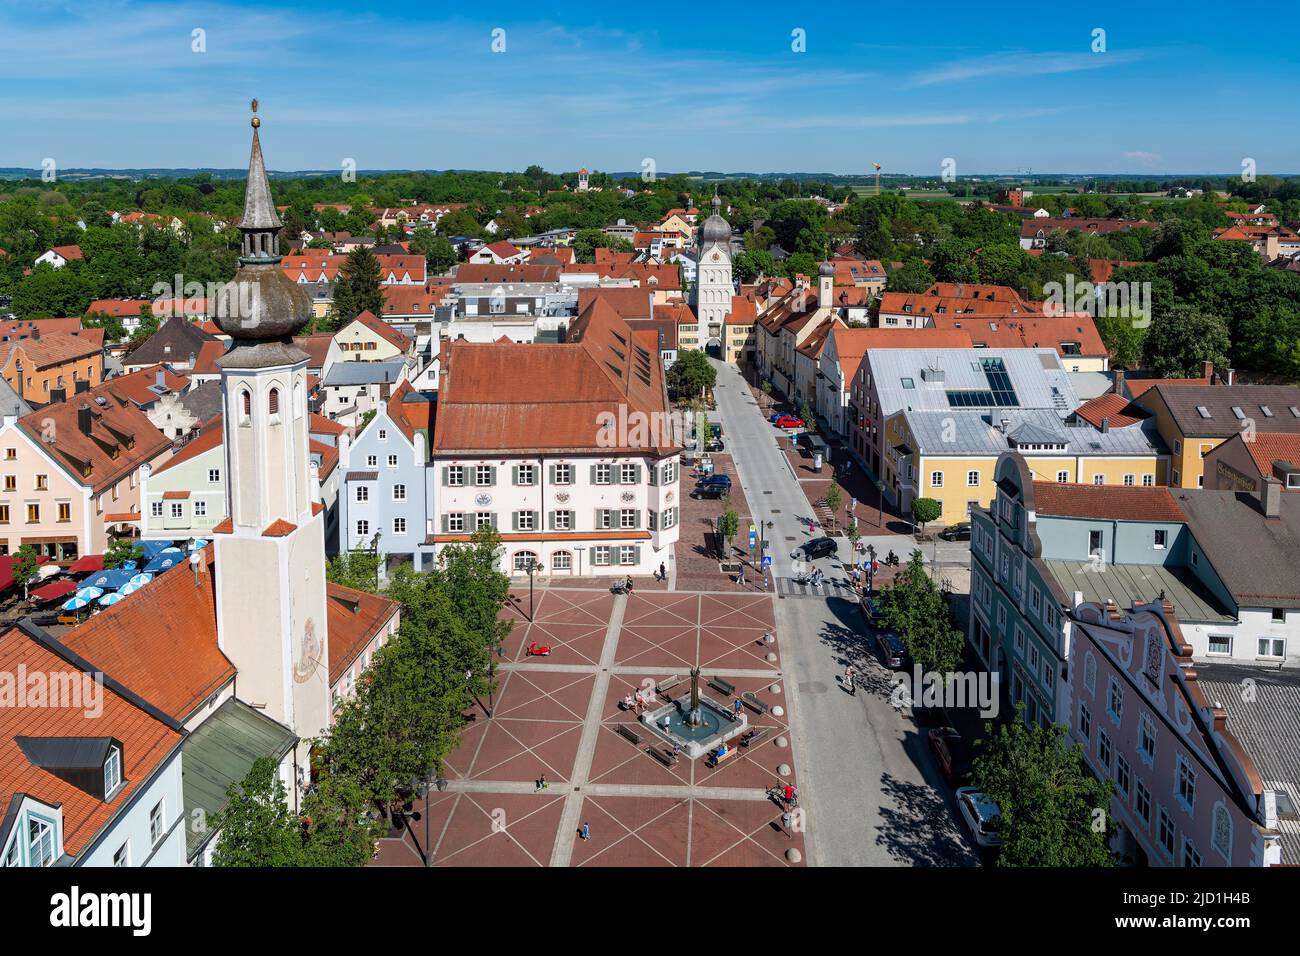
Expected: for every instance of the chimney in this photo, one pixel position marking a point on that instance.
(160, 378)
(1105, 426)
(84, 419)
(80, 385)
(1119, 381)
(1207, 371)
(36, 331)
(57, 395)
(1270, 496)
(1229, 376)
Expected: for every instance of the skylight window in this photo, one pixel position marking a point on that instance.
(1203, 411)
(1237, 412)
(909, 383)
(1268, 412)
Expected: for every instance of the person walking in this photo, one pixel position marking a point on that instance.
(586, 830)
(541, 783)
(629, 584)
(663, 571)
(740, 579)
(848, 680)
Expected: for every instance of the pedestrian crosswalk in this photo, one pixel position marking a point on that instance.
(831, 587)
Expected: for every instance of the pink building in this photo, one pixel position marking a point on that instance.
(1185, 790)
(70, 473)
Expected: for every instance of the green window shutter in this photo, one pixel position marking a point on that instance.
(636, 479)
(636, 518)
(593, 474)
(514, 521)
(445, 480)
(444, 524)
(551, 474)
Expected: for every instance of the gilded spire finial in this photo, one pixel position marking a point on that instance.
(255, 122)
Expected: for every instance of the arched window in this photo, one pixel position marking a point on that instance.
(523, 559)
(246, 403)
(1222, 833)
(273, 402)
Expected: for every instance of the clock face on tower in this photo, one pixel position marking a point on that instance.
(306, 654)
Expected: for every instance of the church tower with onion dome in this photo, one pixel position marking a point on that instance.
(270, 549)
(713, 287)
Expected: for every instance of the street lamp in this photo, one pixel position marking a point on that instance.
(532, 566)
(880, 501)
(421, 788)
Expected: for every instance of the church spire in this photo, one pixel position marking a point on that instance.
(260, 224)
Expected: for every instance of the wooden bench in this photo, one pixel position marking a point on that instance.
(626, 731)
(713, 759)
(722, 686)
(753, 736)
(753, 703)
(68, 619)
(667, 684)
(663, 755)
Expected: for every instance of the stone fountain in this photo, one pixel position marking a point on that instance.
(694, 722)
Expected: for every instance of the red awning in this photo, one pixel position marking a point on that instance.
(56, 590)
(87, 565)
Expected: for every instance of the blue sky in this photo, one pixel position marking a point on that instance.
(1181, 87)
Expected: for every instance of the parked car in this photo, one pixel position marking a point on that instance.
(714, 444)
(774, 416)
(722, 481)
(981, 814)
(815, 548)
(710, 491)
(789, 421)
(956, 532)
(893, 653)
(870, 608)
(952, 753)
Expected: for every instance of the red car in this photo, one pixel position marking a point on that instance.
(789, 421)
(953, 754)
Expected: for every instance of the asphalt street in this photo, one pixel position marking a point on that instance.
(870, 789)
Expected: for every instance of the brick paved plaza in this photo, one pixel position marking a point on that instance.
(558, 716)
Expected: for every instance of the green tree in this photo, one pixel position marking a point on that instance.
(1180, 339)
(1053, 809)
(834, 498)
(256, 827)
(26, 561)
(1123, 339)
(915, 607)
(355, 569)
(728, 527)
(692, 373)
(809, 419)
(358, 288)
(121, 551)
(911, 276)
(925, 510)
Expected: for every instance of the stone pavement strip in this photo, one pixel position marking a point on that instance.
(569, 822)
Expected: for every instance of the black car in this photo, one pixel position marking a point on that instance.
(723, 480)
(710, 491)
(815, 548)
(870, 608)
(956, 532)
(892, 651)
(953, 754)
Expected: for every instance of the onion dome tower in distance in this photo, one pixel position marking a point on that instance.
(270, 549)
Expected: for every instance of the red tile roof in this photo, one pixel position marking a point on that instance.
(1111, 502)
(206, 440)
(121, 438)
(534, 398)
(1120, 410)
(385, 331)
(1269, 447)
(161, 641)
(137, 387)
(316, 346)
(354, 618)
(1029, 331)
(146, 742)
(205, 361)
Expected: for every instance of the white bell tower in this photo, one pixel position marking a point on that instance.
(270, 550)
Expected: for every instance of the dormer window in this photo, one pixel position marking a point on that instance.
(112, 772)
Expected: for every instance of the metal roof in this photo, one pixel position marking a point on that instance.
(979, 433)
(959, 378)
(221, 752)
(364, 373)
(1143, 583)
(1268, 725)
